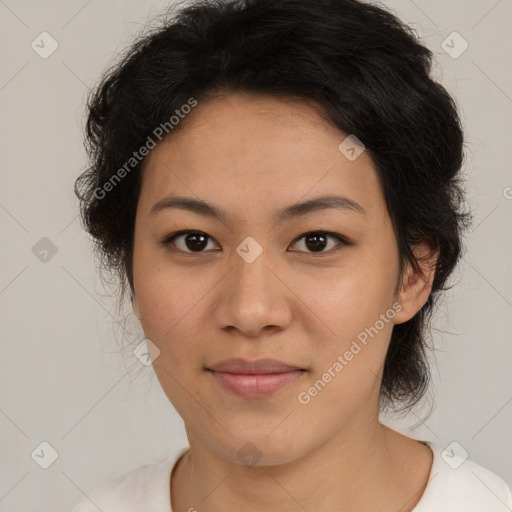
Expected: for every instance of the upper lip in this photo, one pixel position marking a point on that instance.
(261, 366)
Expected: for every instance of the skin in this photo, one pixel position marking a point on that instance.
(253, 155)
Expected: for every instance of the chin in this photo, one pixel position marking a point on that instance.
(259, 451)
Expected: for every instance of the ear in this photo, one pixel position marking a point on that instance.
(416, 287)
(135, 306)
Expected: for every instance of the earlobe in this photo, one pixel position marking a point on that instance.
(417, 286)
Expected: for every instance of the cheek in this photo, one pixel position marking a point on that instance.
(163, 291)
(173, 303)
(350, 297)
(355, 306)
(360, 325)
(347, 364)
(170, 307)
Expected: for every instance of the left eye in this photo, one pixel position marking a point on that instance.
(197, 241)
(317, 241)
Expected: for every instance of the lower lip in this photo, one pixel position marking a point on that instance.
(256, 385)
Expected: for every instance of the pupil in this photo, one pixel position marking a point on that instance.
(319, 241)
(194, 238)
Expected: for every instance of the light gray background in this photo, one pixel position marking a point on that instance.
(65, 379)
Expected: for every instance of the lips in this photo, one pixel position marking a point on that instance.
(260, 367)
(254, 378)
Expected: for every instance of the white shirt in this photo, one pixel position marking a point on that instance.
(468, 488)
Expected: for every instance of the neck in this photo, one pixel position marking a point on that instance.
(364, 466)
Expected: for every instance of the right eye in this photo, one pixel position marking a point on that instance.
(188, 241)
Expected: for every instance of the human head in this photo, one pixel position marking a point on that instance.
(364, 70)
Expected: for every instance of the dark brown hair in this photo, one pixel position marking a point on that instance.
(355, 60)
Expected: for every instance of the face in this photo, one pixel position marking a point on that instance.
(310, 287)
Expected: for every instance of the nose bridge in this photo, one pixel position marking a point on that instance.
(252, 275)
(252, 296)
(252, 268)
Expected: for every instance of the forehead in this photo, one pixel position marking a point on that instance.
(242, 146)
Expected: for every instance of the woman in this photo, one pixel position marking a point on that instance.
(277, 185)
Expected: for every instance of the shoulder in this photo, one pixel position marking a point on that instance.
(460, 484)
(144, 488)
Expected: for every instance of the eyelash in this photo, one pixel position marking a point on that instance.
(341, 241)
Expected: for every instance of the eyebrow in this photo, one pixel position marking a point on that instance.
(285, 214)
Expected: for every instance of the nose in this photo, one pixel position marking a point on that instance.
(253, 298)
